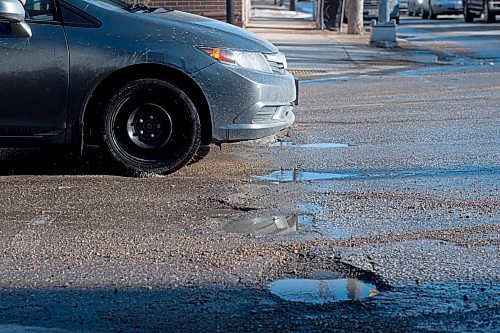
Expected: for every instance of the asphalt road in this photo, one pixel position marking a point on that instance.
(405, 199)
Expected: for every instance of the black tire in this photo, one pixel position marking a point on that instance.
(425, 14)
(488, 16)
(150, 126)
(468, 17)
(432, 16)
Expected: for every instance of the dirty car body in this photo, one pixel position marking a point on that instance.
(149, 85)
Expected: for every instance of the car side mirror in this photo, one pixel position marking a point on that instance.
(13, 12)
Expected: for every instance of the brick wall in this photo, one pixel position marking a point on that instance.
(211, 8)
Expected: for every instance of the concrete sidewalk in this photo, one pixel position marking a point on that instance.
(313, 53)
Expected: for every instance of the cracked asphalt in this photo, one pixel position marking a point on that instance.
(416, 212)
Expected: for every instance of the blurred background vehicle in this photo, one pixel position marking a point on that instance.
(415, 7)
(474, 8)
(403, 6)
(432, 8)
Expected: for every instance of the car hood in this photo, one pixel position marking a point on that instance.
(212, 33)
(174, 25)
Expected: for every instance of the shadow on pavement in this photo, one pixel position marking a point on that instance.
(56, 161)
(234, 309)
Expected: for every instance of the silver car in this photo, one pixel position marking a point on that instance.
(415, 7)
(432, 8)
(149, 85)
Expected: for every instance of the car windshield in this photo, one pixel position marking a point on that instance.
(118, 4)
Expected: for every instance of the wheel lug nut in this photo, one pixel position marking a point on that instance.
(152, 135)
(141, 121)
(150, 117)
(141, 132)
(158, 126)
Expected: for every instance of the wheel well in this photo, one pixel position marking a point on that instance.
(97, 101)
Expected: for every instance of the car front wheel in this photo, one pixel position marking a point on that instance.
(151, 126)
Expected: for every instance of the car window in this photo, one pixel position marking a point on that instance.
(40, 10)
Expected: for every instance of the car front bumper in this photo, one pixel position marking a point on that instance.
(245, 104)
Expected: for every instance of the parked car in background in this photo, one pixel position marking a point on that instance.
(403, 6)
(147, 84)
(415, 7)
(474, 8)
(370, 10)
(432, 8)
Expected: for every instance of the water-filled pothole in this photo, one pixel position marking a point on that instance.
(282, 176)
(322, 291)
(311, 145)
(298, 176)
(310, 207)
(274, 225)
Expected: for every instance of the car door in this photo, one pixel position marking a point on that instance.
(34, 75)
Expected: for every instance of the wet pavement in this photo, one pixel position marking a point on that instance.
(412, 211)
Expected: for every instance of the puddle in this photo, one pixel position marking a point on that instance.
(274, 225)
(310, 207)
(310, 145)
(283, 176)
(305, 221)
(219, 212)
(322, 291)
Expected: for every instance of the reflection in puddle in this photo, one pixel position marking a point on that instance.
(310, 207)
(275, 225)
(297, 176)
(322, 291)
(311, 145)
(305, 220)
(282, 176)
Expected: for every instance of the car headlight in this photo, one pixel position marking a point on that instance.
(256, 61)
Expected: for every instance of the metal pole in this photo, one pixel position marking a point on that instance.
(383, 12)
(342, 16)
(230, 11)
(321, 18)
(292, 5)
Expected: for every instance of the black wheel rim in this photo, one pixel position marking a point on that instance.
(149, 126)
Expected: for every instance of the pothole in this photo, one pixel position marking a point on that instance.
(322, 291)
(282, 176)
(298, 176)
(310, 207)
(310, 145)
(273, 225)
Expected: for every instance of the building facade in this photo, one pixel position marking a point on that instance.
(211, 8)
